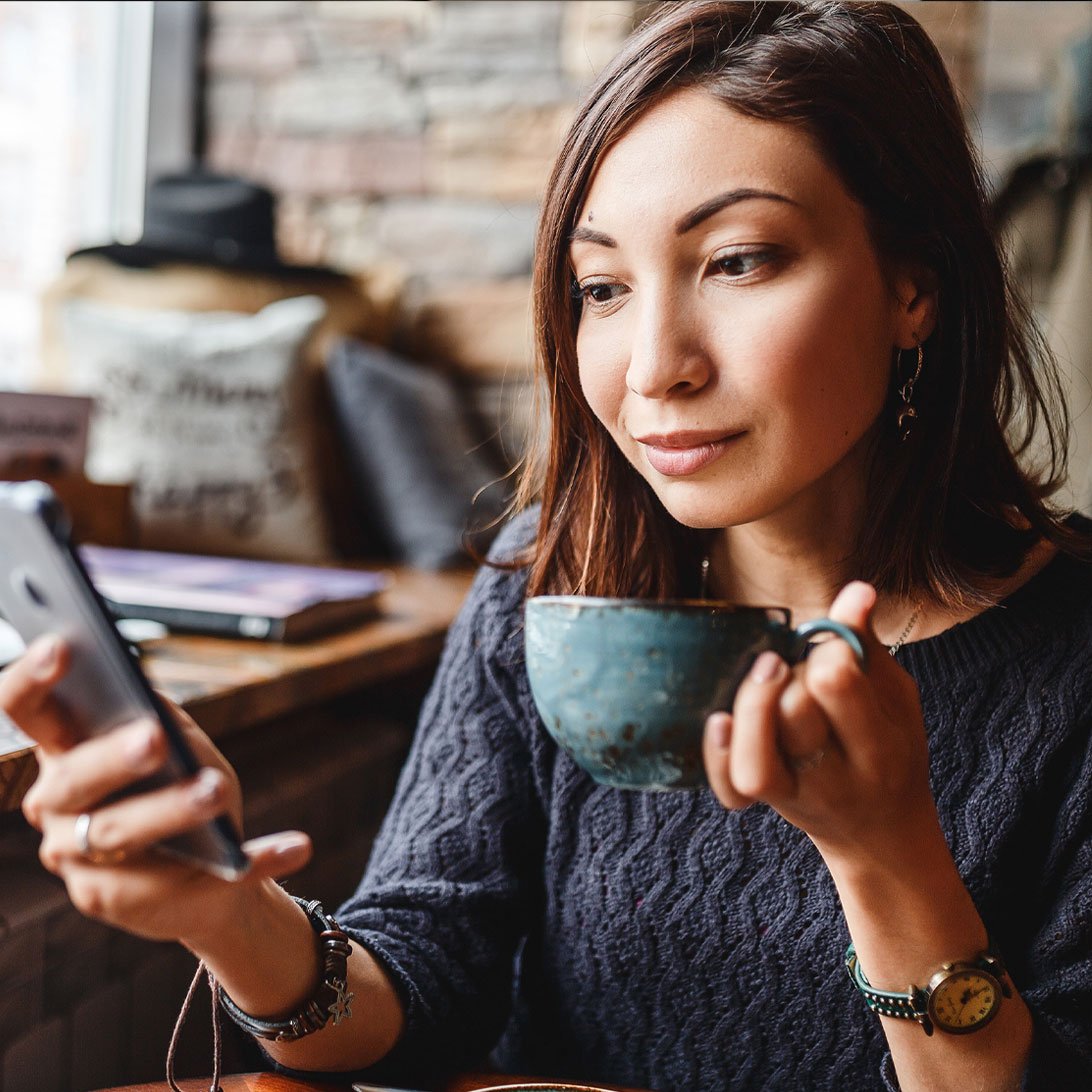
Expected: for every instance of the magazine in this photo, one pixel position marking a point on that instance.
(232, 597)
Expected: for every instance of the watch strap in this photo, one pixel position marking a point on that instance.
(911, 1005)
(331, 999)
(914, 1003)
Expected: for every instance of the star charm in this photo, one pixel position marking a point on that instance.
(341, 1009)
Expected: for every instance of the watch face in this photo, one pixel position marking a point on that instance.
(964, 999)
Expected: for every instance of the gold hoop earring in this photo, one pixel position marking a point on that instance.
(907, 414)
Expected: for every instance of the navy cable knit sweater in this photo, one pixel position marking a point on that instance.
(661, 941)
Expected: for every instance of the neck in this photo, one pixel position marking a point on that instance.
(800, 556)
(764, 564)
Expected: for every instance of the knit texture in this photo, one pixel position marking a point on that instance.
(661, 941)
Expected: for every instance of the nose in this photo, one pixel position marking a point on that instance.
(668, 355)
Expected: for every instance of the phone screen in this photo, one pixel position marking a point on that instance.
(44, 589)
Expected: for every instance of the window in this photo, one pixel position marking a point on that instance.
(74, 95)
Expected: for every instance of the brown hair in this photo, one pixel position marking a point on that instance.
(951, 508)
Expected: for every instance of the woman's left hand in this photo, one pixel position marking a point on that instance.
(838, 751)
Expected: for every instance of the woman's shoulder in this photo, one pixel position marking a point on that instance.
(516, 537)
(1044, 622)
(1058, 589)
(1055, 580)
(492, 614)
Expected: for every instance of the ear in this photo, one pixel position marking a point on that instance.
(915, 305)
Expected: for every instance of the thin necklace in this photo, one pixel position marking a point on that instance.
(907, 629)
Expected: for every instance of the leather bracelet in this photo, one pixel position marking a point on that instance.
(331, 999)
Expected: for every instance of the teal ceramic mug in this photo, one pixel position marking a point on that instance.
(625, 685)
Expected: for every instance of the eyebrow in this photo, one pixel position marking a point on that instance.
(586, 235)
(691, 219)
(731, 197)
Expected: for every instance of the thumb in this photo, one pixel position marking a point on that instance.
(854, 606)
(26, 694)
(276, 855)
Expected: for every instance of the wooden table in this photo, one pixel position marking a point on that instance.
(229, 686)
(274, 1082)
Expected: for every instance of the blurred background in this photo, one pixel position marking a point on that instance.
(411, 138)
(264, 287)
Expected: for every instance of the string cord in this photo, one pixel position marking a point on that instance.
(217, 1045)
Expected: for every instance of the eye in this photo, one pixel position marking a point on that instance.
(598, 293)
(736, 264)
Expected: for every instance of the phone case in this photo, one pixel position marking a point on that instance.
(45, 589)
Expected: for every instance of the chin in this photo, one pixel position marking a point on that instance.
(708, 506)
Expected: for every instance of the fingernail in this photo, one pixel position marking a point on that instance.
(285, 843)
(291, 844)
(208, 788)
(46, 652)
(767, 667)
(721, 731)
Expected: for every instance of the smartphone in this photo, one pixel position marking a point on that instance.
(44, 588)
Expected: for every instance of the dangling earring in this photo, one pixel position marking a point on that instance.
(907, 413)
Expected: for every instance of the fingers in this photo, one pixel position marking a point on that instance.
(876, 715)
(207, 753)
(78, 779)
(834, 679)
(846, 698)
(805, 732)
(756, 766)
(750, 767)
(126, 827)
(157, 896)
(25, 694)
(827, 743)
(716, 751)
(777, 733)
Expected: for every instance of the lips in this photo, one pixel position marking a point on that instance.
(677, 454)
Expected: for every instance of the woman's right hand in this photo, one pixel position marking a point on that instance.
(123, 881)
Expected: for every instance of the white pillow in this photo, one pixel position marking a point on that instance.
(210, 416)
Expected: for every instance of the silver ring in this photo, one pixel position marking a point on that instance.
(809, 761)
(83, 835)
(82, 838)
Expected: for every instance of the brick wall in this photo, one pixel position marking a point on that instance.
(420, 135)
(416, 135)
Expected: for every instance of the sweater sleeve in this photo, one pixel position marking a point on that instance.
(1054, 970)
(1056, 980)
(1041, 918)
(445, 899)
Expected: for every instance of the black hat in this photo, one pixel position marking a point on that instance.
(207, 218)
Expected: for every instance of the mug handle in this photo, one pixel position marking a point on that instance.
(802, 633)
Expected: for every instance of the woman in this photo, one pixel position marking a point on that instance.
(780, 352)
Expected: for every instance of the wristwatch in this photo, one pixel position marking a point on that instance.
(959, 998)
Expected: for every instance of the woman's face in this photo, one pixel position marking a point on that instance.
(737, 328)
